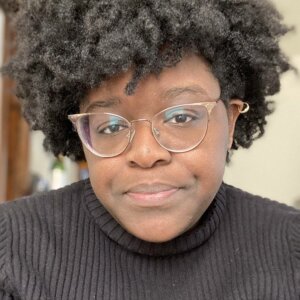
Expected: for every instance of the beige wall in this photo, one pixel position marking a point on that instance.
(271, 167)
(290, 10)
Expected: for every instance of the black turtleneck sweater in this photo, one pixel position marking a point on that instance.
(65, 245)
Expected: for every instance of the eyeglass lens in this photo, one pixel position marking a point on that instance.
(177, 129)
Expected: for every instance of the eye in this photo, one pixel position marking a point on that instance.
(180, 116)
(181, 119)
(111, 129)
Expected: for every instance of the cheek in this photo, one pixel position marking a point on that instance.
(207, 161)
(216, 146)
(218, 138)
(102, 171)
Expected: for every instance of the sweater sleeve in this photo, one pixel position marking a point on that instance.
(5, 296)
(295, 243)
(5, 293)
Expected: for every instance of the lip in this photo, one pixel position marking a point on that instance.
(149, 195)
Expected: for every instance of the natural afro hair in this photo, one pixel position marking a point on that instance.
(9, 6)
(67, 47)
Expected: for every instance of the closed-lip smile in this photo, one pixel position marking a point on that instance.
(155, 194)
(146, 188)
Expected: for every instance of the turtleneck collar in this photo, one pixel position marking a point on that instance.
(185, 242)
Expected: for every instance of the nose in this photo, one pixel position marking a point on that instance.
(144, 151)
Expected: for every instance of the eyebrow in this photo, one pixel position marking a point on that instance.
(177, 91)
(167, 95)
(109, 102)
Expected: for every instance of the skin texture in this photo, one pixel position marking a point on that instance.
(193, 177)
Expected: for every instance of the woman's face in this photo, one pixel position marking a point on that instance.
(154, 194)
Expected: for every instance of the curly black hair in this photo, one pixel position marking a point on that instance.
(67, 47)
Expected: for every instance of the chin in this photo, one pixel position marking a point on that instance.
(156, 239)
(156, 236)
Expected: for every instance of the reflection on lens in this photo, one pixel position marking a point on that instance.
(104, 134)
(181, 128)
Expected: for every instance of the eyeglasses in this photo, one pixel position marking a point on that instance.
(178, 128)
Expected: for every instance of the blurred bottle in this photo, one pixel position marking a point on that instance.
(58, 173)
(83, 170)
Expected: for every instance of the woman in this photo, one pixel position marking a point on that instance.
(153, 95)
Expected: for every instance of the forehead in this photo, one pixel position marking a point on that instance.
(191, 75)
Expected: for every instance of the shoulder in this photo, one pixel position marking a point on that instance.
(27, 224)
(39, 202)
(264, 234)
(40, 207)
(262, 215)
(267, 221)
(240, 199)
(38, 213)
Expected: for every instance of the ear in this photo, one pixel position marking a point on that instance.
(235, 108)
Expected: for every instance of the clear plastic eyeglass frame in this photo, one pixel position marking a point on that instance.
(209, 106)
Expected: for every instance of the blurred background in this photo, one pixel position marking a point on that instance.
(271, 167)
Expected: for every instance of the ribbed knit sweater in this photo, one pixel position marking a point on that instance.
(65, 245)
